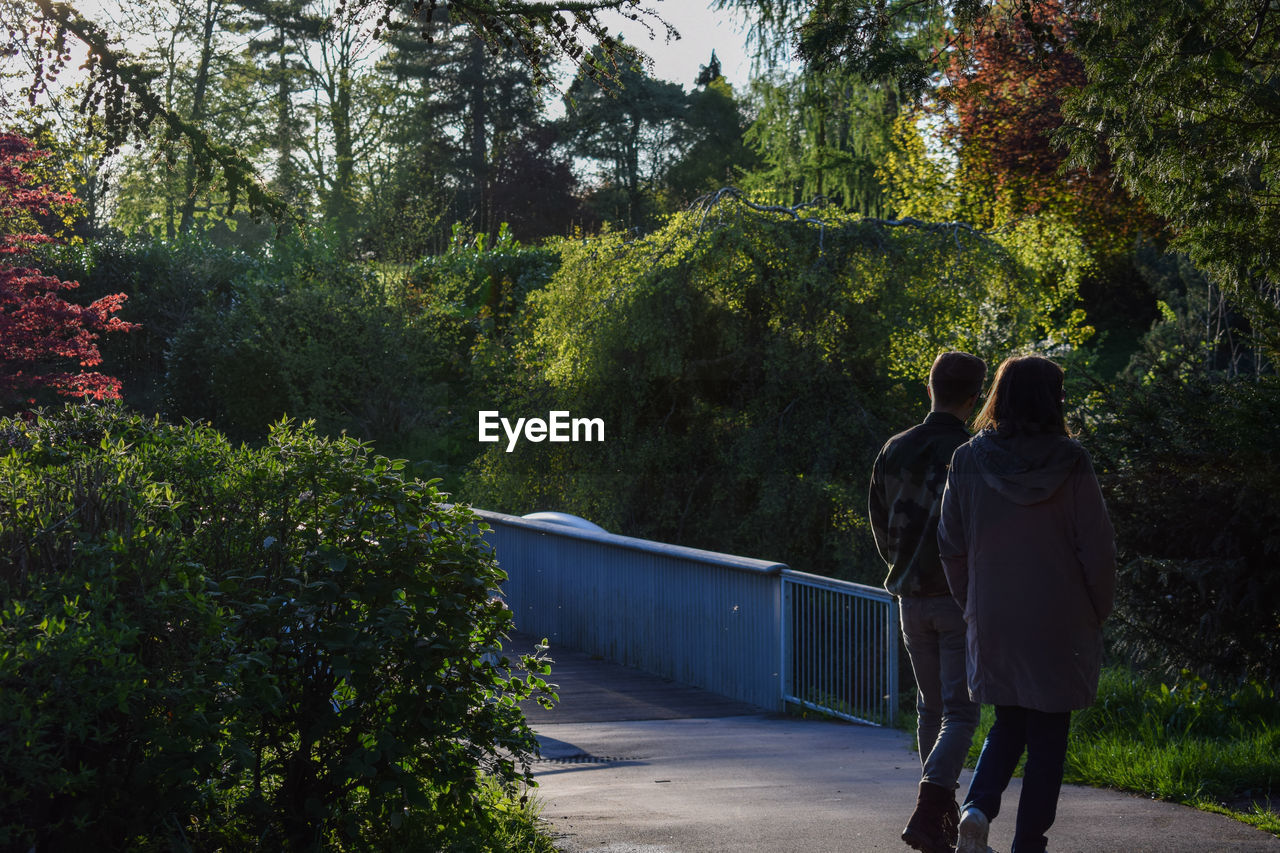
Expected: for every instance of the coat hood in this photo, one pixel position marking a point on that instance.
(1025, 469)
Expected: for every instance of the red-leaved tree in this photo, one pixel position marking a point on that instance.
(1007, 103)
(45, 341)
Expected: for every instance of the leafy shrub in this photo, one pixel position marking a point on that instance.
(1185, 443)
(240, 340)
(307, 334)
(747, 366)
(168, 282)
(294, 647)
(1190, 472)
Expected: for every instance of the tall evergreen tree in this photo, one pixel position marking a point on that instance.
(282, 29)
(715, 151)
(470, 127)
(632, 131)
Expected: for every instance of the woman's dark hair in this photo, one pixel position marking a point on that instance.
(1025, 397)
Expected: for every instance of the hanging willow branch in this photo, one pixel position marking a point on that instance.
(708, 202)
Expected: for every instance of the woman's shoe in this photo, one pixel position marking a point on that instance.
(973, 831)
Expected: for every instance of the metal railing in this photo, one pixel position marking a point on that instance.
(840, 648)
(749, 629)
(706, 619)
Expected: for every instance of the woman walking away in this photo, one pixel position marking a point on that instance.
(1029, 554)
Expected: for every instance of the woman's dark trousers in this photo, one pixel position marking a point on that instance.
(1043, 736)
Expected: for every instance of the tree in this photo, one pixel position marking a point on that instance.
(1004, 107)
(282, 26)
(630, 131)
(120, 88)
(1183, 98)
(715, 153)
(469, 144)
(822, 134)
(41, 335)
(196, 72)
(1178, 97)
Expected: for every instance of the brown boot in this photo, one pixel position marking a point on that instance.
(932, 827)
(951, 822)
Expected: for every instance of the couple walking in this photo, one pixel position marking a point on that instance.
(1002, 556)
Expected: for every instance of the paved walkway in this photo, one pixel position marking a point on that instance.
(633, 763)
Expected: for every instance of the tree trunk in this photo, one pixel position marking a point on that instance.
(198, 94)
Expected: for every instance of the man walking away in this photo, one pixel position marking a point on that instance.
(906, 491)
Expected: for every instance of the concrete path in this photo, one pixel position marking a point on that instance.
(632, 763)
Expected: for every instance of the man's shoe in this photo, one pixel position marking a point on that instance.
(951, 823)
(927, 830)
(973, 831)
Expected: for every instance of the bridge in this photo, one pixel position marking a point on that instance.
(637, 760)
(751, 630)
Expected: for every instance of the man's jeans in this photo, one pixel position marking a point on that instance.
(934, 631)
(1044, 737)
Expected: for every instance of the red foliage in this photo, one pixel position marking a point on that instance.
(42, 336)
(1007, 101)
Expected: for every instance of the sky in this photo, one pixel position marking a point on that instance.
(701, 30)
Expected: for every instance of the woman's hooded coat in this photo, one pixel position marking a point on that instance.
(1029, 554)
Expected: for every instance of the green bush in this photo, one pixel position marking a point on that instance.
(1185, 447)
(208, 647)
(240, 340)
(309, 335)
(1190, 472)
(747, 366)
(167, 284)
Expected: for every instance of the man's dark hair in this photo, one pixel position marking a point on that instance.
(1026, 397)
(955, 377)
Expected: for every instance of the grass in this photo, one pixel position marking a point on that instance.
(1213, 749)
(1189, 743)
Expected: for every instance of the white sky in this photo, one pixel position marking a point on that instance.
(701, 31)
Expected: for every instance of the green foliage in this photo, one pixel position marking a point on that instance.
(472, 301)
(1188, 742)
(208, 647)
(1189, 469)
(169, 282)
(715, 153)
(240, 339)
(630, 129)
(305, 333)
(1181, 98)
(747, 365)
(935, 180)
(822, 134)
(483, 285)
(1184, 443)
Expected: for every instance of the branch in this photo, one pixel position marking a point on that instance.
(707, 202)
(120, 88)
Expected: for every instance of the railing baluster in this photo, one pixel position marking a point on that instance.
(658, 606)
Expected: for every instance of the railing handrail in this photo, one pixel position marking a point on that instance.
(680, 552)
(836, 585)
(747, 628)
